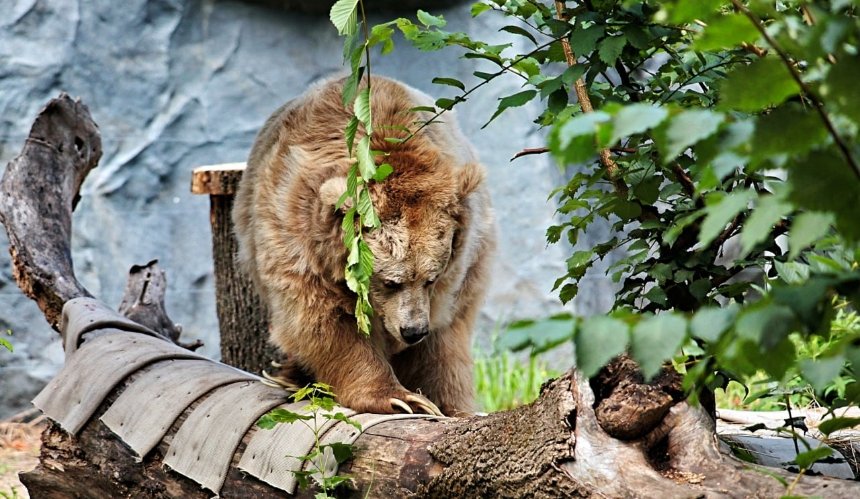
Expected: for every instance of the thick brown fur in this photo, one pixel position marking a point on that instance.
(431, 254)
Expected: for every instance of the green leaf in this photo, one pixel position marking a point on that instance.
(657, 295)
(451, 82)
(518, 30)
(515, 100)
(828, 426)
(808, 301)
(656, 339)
(339, 416)
(350, 84)
(787, 130)
(610, 49)
(805, 460)
(598, 341)
(382, 172)
(341, 451)
(648, 190)
(362, 110)
(446, 103)
(580, 125)
(568, 292)
(344, 16)
(584, 41)
(280, 415)
(687, 128)
(710, 323)
(430, 20)
(478, 8)
(348, 226)
(539, 335)
(822, 371)
(626, 210)
(840, 87)
(721, 212)
(6, 344)
(382, 33)
(684, 11)
(807, 228)
(763, 83)
(757, 228)
(765, 324)
(365, 261)
(365, 209)
(726, 32)
(792, 272)
(579, 259)
(366, 162)
(635, 118)
(349, 133)
(824, 182)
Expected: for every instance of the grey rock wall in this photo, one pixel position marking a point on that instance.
(177, 84)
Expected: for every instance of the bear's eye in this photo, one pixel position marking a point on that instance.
(392, 285)
(429, 283)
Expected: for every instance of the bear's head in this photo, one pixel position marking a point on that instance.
(422, 206)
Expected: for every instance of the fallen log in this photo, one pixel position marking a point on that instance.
(614, 436)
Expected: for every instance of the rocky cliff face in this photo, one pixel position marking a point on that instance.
(177, 84)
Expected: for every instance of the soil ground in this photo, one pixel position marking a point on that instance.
(19, 451)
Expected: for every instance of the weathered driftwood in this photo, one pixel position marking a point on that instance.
(38, 193)
(143, 302)
(556, 447)
(242, 317)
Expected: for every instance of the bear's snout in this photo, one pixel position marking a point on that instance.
(413, 335)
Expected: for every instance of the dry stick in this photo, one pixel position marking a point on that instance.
(540, 150)
(612, 170)
(816, 100)
(530, 150)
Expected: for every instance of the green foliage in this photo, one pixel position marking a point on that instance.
(361, 215)
(723, 154)
(503, 382)
(320, 407)
(6, 343)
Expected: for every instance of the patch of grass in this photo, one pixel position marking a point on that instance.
(763, 393)
(503, 382)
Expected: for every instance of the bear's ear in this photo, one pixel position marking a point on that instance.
(471, 177)
(331, 191)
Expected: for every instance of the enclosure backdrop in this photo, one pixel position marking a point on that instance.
(175, 84)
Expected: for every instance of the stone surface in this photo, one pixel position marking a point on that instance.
(175, 84)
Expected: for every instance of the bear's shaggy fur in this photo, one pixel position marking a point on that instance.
(431, 254)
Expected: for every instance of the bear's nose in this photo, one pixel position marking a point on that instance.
(413, 335)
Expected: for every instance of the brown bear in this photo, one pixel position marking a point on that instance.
(431, 253)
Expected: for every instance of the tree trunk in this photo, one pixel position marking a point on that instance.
(242, 317)
(613, 436)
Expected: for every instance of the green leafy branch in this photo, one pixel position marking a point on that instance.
(818, 104)
(320, 407)
(360, 213)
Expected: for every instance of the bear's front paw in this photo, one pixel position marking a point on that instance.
(420, 402)
(388, 401)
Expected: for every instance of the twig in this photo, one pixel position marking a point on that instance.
(609, 164)
(684, 179)
(816, 100)
(507, 67)
(752, 49)
(528, 151)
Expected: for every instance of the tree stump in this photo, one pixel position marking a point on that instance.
(242, 316)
